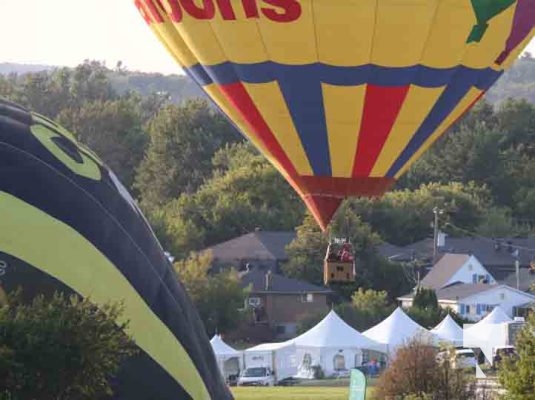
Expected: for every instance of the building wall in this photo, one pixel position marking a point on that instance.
(478, 306)
(285, 310)
(467, 271)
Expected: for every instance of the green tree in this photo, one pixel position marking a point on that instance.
(113, 130)
(218, 297)
(237, 199)
(61, 348)
(518, 376)
(306, 252)
(404, 216)
(425, 298)
(306, 255)
(183, 140)
(366, 309)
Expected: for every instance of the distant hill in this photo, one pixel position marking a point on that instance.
(179, 87)
(518, 82)
(10, 68)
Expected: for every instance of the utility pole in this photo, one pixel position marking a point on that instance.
(436, 211)
(517, 271)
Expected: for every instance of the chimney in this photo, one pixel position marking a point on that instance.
(269, 281)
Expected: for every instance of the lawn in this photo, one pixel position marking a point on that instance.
(292, 393)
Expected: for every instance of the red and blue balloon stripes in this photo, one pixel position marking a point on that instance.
(301, 88)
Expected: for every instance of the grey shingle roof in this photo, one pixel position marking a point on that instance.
(458, 291)
(494, 258)
(526, 278)
(444, 269)
(260, 245)
(280, 284)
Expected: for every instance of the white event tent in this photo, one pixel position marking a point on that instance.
(333, 345)
(229, 360)
(279, 357)
(449, 331)
(397, 330)
(490, 329)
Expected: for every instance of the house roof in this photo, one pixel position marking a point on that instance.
(279, 284)
(457, 291)
(444, 269)
(526, 280)
(258, 245)
(491, 252)
(391, 251)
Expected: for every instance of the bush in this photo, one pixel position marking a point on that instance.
(60, 348)
(518, 375)
(415, 373)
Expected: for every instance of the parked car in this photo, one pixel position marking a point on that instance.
(256, 376)
(499, 353)
(462, 358)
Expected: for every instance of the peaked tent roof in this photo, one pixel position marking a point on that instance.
(485, 330)
(333, 331)
(449, 330)
(444, 269)
(497, 316)
(396, 329)
(221, 348)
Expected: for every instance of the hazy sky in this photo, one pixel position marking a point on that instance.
(65, 32)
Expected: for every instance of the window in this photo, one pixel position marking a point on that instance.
(474, 278)
(502, 296)
(307, 298)
(339, 362)
(254, 301)
(307, 361)
(281, 329)
(467, 309)
(470, 267)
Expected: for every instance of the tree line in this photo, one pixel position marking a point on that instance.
(200, 183)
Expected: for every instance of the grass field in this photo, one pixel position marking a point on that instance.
(293, 393)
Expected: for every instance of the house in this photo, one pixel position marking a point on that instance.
(456, 268)
(265, 250)
(278, 302)
(498, 255)
(464, 285)
(475, 301)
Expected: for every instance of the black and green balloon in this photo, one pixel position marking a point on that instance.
(67, 223)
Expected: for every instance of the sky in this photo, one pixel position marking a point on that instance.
(66, 32)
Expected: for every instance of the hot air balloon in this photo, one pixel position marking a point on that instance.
(67, 224)
(342, 96)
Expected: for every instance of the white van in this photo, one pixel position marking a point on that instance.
(256, 376)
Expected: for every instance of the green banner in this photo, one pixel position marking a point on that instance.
(357, 385)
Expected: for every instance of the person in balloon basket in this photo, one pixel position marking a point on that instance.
(345, 254)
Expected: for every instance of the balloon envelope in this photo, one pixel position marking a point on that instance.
(342, 96)
(67, 224)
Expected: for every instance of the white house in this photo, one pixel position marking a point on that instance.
(475, 301)
(463, 284)
(454, 268)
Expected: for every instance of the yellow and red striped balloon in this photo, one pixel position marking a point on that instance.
(342, 96)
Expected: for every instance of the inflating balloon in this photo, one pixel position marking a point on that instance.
(342, 96)
(67, 223)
